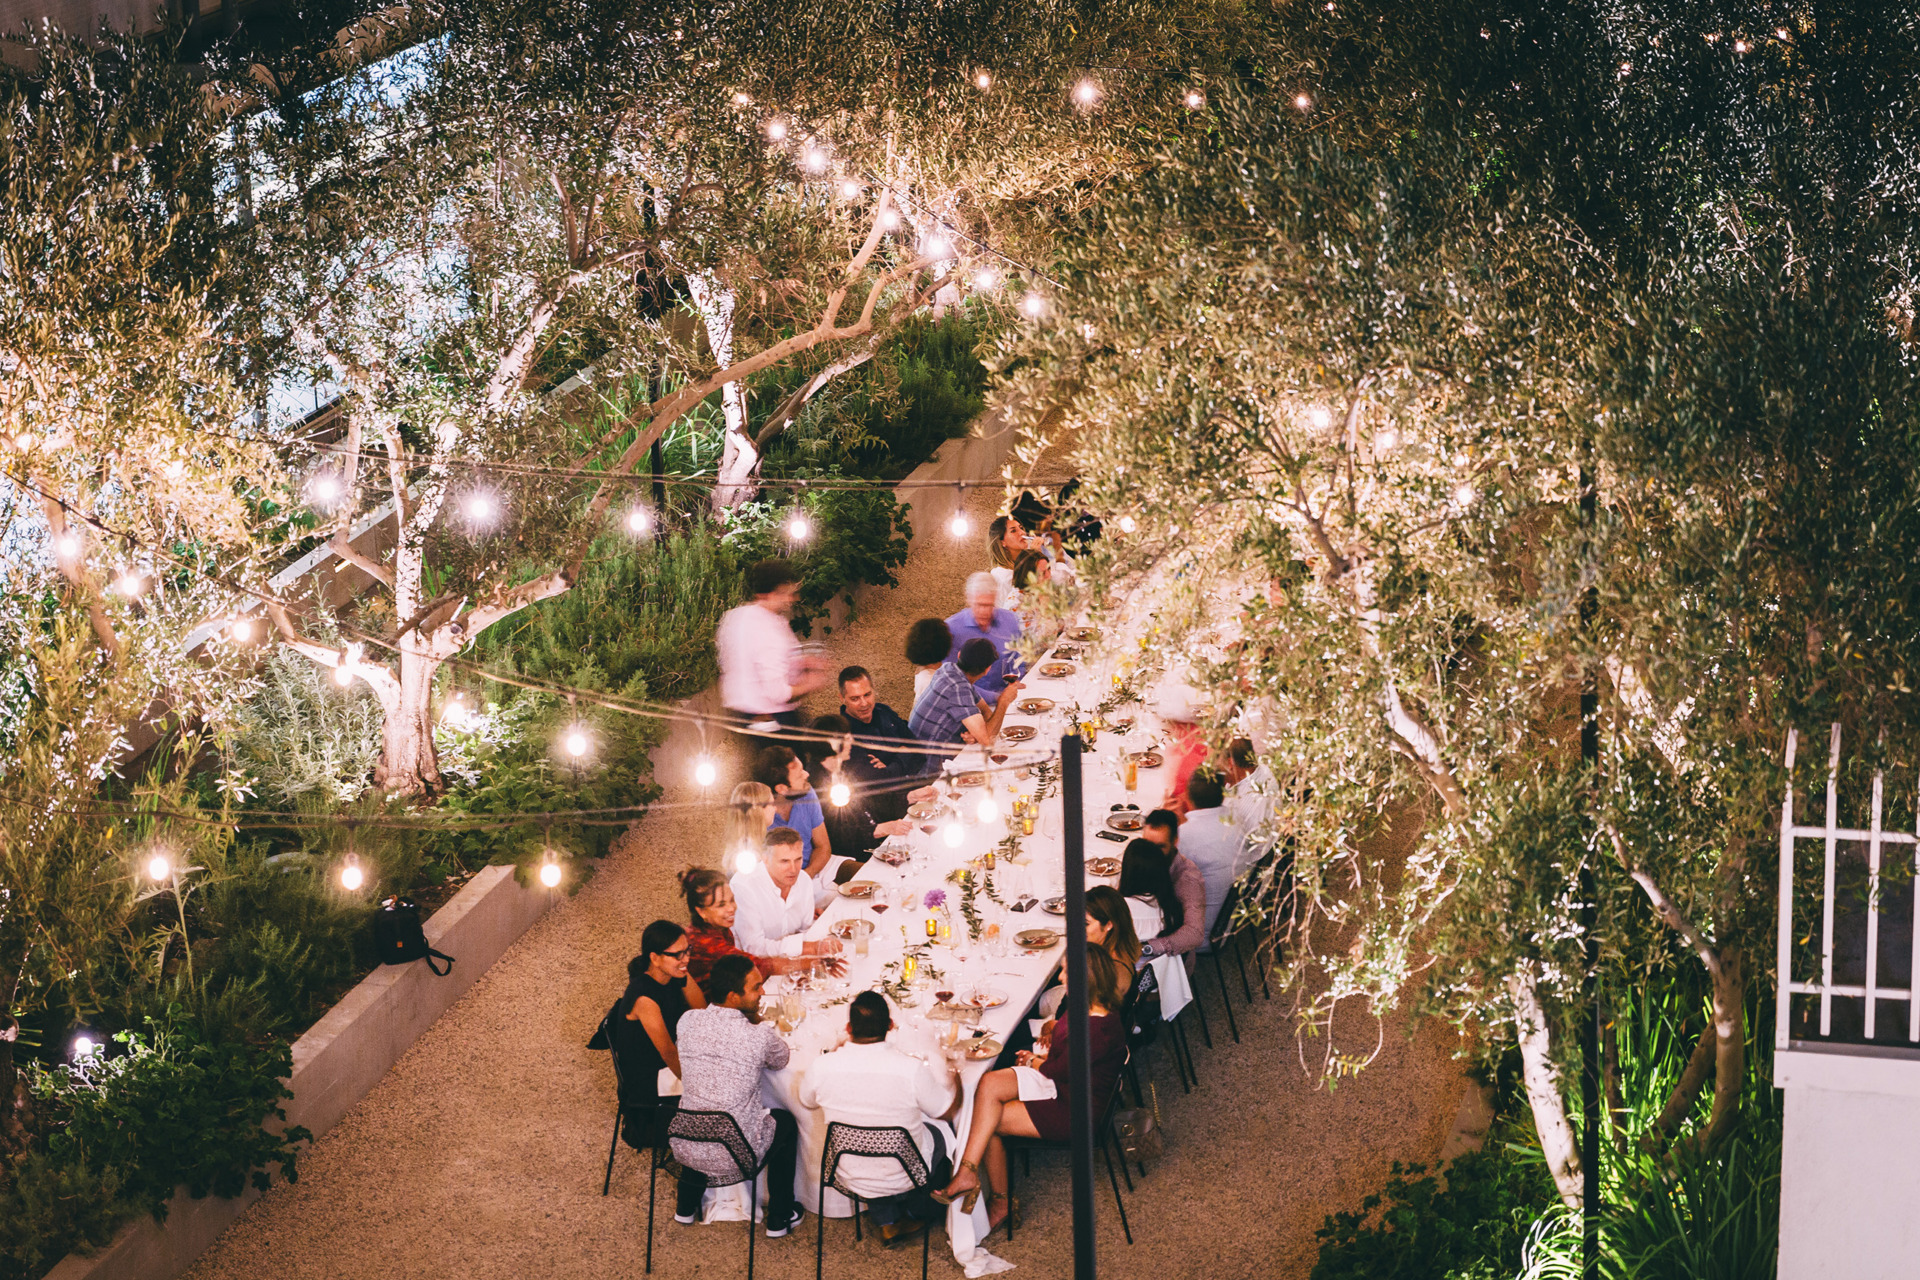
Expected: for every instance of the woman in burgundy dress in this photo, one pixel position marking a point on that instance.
(998, 1106)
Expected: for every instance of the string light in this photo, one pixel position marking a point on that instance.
(1195, 100)
(1386, 440)
(1128, 524)
(984, 279)
(839, 793)
(815, 160)
(1741, 46)
(888, 220)
(799, 528)
(639, 520)
(983, 81)
(952, 834)
(241, 630)
(576, 743)
(777, 130)
(67, 546)
(84, 1046)
(1302, 101)
(1033, 305)
(130, 583)
(1463, 494)
(936, 246)
(324, 489)
(703, 771)
(550, 869)
(959, 525)
(351, 876)
(850, 189)
(1319, 418)
(1783, 33)
(745, 860)
(159, 867)
(480, 508)
(988, 809)
(1086, 93)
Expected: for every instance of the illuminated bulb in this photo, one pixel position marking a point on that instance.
(1086, 93)
(849, 190)
(985, 279)
(480, 507)
(1302, 101)
(1781, 32)
(937, 247)
(989, 809)
(1741, 46)
(1318, 418)
(83, 1045)
(816, 160)
(1033, 305)
(23, 441)
(351, 876)
(799, 527)
(889, 220)
(130, 584)
(704, 773)
(1195, 100)
(839, 793)
(158, 868)
(1463, 495)
(241, 631)
(777, 131)
(1626, 68)
(638, 520)
(576, 744)
(1128, 524)
(741, 100)
(174, 469)
(67, 546)
(1386, 441)
(959, 525)
(343, 674)
(952, 834)
(326, 489)
(745, 861)
(550, 874)
(983, 80)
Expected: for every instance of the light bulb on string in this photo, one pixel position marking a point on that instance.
(639, 520)
(1463, 495)
(703, 772)
(936, 246)
(988, 809)
(241, 631)
(130, 584)
(850, 190)
(1319, 418)
(777, 130)
(815, 160)
(799, 528)
(67, 546)
(745, 860)
(959, 525)
(1195, 100)
(1086, 93)
(839, 793)
(888, 220)
(481, 508)
(550, 869)
(983, 81)
(1128, 524)
(159, 867)
(951, 834)
(1302, 101)
(1033, 306)
(1741, 46)
(984, 279)
(324, 489)
(576, 743)
(84, 1046)
(351, 876)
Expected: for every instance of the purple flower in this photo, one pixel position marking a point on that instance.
(936, 898)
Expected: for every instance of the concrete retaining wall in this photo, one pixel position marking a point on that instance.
(337, 1063)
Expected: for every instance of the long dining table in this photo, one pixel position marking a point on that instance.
(952, 833)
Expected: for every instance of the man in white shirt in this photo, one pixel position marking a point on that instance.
(774, 903)
(1211, 839)
(762, 674)
(1249, 797)
(869, 1082)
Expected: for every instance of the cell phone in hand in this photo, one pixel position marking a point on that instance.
(1114, 836)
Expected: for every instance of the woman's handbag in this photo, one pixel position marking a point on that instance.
(399, 938)
(1139, 1129)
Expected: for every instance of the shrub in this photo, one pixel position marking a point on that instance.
(859, 536)
(48, 1208)
(300, 736)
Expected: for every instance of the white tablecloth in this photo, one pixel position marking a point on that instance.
(1021, 976)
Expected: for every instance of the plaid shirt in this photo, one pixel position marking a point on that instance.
(723, 1057)
(943, 709)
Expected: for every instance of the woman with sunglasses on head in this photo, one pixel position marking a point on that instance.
(647, 1018)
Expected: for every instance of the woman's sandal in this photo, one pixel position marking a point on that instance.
(971, 1194)
(1013, 1221)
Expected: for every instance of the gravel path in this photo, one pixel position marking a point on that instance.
(480, 1155)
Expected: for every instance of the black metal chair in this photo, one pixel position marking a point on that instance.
(649, 1118)
(1103, 1133)
(720, 1129)
(1144, 1021)
(888, 1142)
(1218, 935)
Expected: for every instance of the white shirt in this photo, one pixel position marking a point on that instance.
(921, 679)
(1148, 919)
(1211, 840)
(876, 1085)
(1250, 801)
(769, 923)
(758, 652)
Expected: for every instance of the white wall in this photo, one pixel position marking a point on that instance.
(1850, 1167)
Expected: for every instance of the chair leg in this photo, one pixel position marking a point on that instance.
(653, 1173)
(1225, 998)
(1133, 1077)
(612, 1147)
(1240, 958)
(926, 1243)
(1206, 1032)
(753, 1213)
(1112, 1140)
(1117, 1200)
(1182, 1055)
(820, 1236)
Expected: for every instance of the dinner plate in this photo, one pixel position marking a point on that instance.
(986, 998)
(858, 889)
(1126, 822)
(1035, 939)
(1054, 906)
(1034, 706)
(1066, 653)
(971, 780)
(1084, 635)
(924, 810)
(1056, 670)
(1148, 759)
(1103, 866)
(894, 856)
(1019, 733)
(848, 928)
(985, 1047)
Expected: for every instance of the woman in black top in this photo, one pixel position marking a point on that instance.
(647, 1017)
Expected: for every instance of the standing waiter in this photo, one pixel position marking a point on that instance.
(762, 671)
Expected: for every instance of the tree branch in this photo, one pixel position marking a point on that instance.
(790, 407)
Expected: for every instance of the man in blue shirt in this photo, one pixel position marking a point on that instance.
(951, 711)
(795, 805)
(981, 620)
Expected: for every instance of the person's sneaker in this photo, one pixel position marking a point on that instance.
(686, 1219)
(774, 1233)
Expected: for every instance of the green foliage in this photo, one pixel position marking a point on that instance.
(1471, 1225)
(643, 609)
(48, 1207)
(173, 1108)
(859, 536)
(301, 736)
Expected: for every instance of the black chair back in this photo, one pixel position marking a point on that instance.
(720, 1129)
(879, 1142)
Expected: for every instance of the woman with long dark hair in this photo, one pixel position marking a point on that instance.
(645, 1021)
(1146, 882)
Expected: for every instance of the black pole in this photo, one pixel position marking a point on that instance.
(1590, 1104)
(1079, 1047)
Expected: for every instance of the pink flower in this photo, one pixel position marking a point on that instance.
(936, 898)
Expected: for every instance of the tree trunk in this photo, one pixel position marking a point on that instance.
(409, 764)
(739, 459)
(1730, 1046)
(1542, 1079)
(13, 1093)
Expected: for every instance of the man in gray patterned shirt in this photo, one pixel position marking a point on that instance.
(724, 1052)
